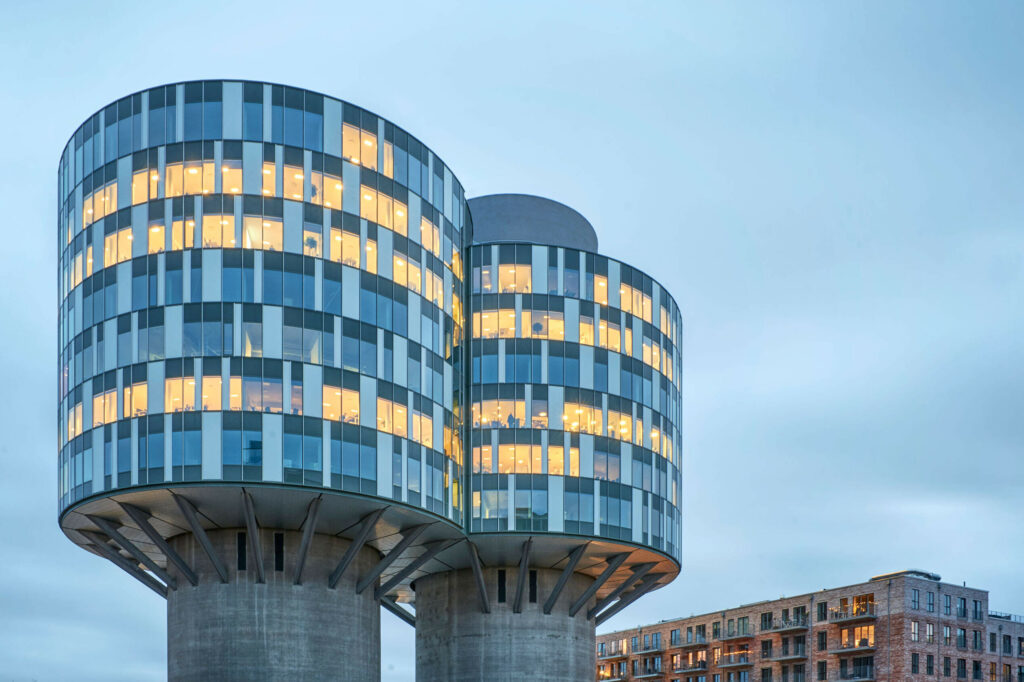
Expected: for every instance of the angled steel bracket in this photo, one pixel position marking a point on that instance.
(613, 564)
(368, 522)
(114, 534)
(640, 590)
(524, 568)
(478, 574)
(254, 536)
(141, 520)
(408, 537)
(100, 542)
(308, 528)
(435, 549)
(390, 605)
(188, 510)
(639, 571)
(574, 559)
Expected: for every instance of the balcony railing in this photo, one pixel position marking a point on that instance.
(696, 666)
(733, 660)
(850, 613)
(647, 649)
(854, 646)
(736, 633)
(789, 625)
(794, 653)
(859, 675)
(696, 641)
(647, 672)
(618, 653)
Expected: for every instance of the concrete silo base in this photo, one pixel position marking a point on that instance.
(456, 641)
(275, 630)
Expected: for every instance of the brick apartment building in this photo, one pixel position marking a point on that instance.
(900, 626)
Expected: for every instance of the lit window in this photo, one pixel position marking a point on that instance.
(180, 237)
(156, 237)
(385, 210)
(370, 258)
(316, 187)
(556, 460)
(194, 177)
(574, 461)
(368, 150)
(234, 393)
(312, 241)
(252, 232)
(211, 392)
(179, 394)
(601, 289)
(389, 160)
(104, 408)
(273, 235)
(140, 187)
(368, 203)
(269, 178)
(350, 142)
(332, 191)
(231, 176)
(209, 176)
(587, 330)
(436, 290)
(401, 221)
(423, 429)
(292, 182)
(135, 399)
(415, 277)
(610, 336)
(154, 183)
(399, 269)
(506, 323)
(124, 244)
(174, 182)
(430, 238)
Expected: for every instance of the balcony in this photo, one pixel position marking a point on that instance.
(790, 625)
(864, 675)
(608, 655)
(695, 643)
(850, 614)
(648, 649)
(695, 667)
(796, 653)
(611, 677)
(860, 646)
(738, 633)
(734, 661)
(647, 673)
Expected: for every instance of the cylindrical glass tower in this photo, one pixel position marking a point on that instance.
(260, 325)
(278, 337)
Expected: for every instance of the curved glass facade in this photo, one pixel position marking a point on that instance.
(575, 400)
(259, 283)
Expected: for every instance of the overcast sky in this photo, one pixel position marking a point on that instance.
(833, 192)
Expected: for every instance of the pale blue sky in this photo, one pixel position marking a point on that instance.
(833, 192)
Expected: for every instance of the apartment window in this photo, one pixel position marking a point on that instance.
(915, 599)
(822, 671)
(947, 604)
(978, 614)
(915, 663)
(929, 633)
(961, 607)
(822, 640)
(975, 670)
(674, 637)
(1007, 645)
(945, 666)
(929, 663)
(961, 638)
(766, 621)
(946, 637)
(992, 642)
(930, 602)
(915, 634)
(976, 641)
(822, 611)
(961, 668)
(766, 648)
(766, 675)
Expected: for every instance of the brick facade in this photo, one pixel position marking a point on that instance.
(892, 628)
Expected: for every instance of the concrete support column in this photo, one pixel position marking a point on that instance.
(457, 642)
(275, 630)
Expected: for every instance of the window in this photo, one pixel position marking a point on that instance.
(822, 671)
(930, 664)
(822, 640)
(946, 666)
(930, 633)
(915, 599)
(947, 604)
(915, 663)
(946, 636)
(822, 611)
(931, 602)
(961, 668)
(978, 612)
(915, 635)
(975, 670)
